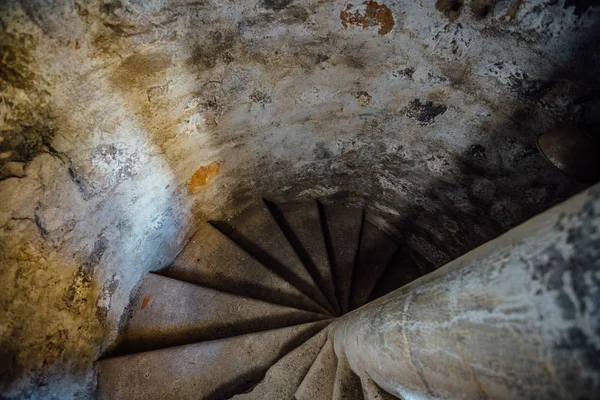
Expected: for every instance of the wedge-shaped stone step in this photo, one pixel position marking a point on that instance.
(318, 382)
(347, 384)
(342, 225)
(212, 259)
(207, 370)
(256, 231)
(371, 391)
(301, 223)
(167, 312)
(402, 270)
(374, 255)
(283, 378)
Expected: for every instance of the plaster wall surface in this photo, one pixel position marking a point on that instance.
(123, 121)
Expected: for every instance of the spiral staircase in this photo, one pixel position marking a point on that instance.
(246, 308)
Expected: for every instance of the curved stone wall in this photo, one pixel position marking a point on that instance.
(122, 121)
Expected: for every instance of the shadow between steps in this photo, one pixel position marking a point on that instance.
(330, 254)
(270, 262)
(247, 381)
(253, 291)
(131, 342)
(302, 253)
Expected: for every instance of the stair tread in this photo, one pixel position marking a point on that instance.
(213, 369)
(304, 221)
(344, 225)
(402, 270)
(212, 259)
(167, 312)
(319, 380)
(284, 377)
(372, 391)
(374, 254)
(256, 230)
(347, 384)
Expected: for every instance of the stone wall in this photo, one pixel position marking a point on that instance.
(122, 121)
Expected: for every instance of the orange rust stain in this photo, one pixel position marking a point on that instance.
(374, 15)
(203, 176)
(146, 301)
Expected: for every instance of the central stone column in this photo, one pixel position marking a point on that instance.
(516, 318)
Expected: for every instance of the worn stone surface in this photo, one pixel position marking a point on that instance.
(518, 317)
(215, 369)
(284, 377)
(319, 380)
(112, 106)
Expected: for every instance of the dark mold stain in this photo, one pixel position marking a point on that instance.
(321, 58)
(260, 98)
(450, 8)
(76, 295)
(477, 152)
(405, 73)
(424, 113)
(322, 151)
(217, 48)
(530, 90)
(481, 8)
(25, 142)
(108, 8)
(276, 5)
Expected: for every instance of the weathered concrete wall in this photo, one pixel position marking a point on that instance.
(517, 318)
(122, 120)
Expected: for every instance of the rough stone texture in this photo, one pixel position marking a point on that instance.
(518, 317)
(319, 380)
(284, 377)
(343, 227)
(256, 230)
(211, 259)
(428, 113)
(375, 253)
(167, 312)
(304, 229)
(215, 369)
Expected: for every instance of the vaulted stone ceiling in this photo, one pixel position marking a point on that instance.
(123, 121)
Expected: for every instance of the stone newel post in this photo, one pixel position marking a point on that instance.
(516, 318)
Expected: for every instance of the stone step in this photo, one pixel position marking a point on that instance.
(402, 270)
(319, 380)
(301, 223)
(283, 378)
(256, 231)
(166, 312)
(213, 260)
(343, 225)
(374, 255)
(213, 369)
(371, 391)
(347, 384)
